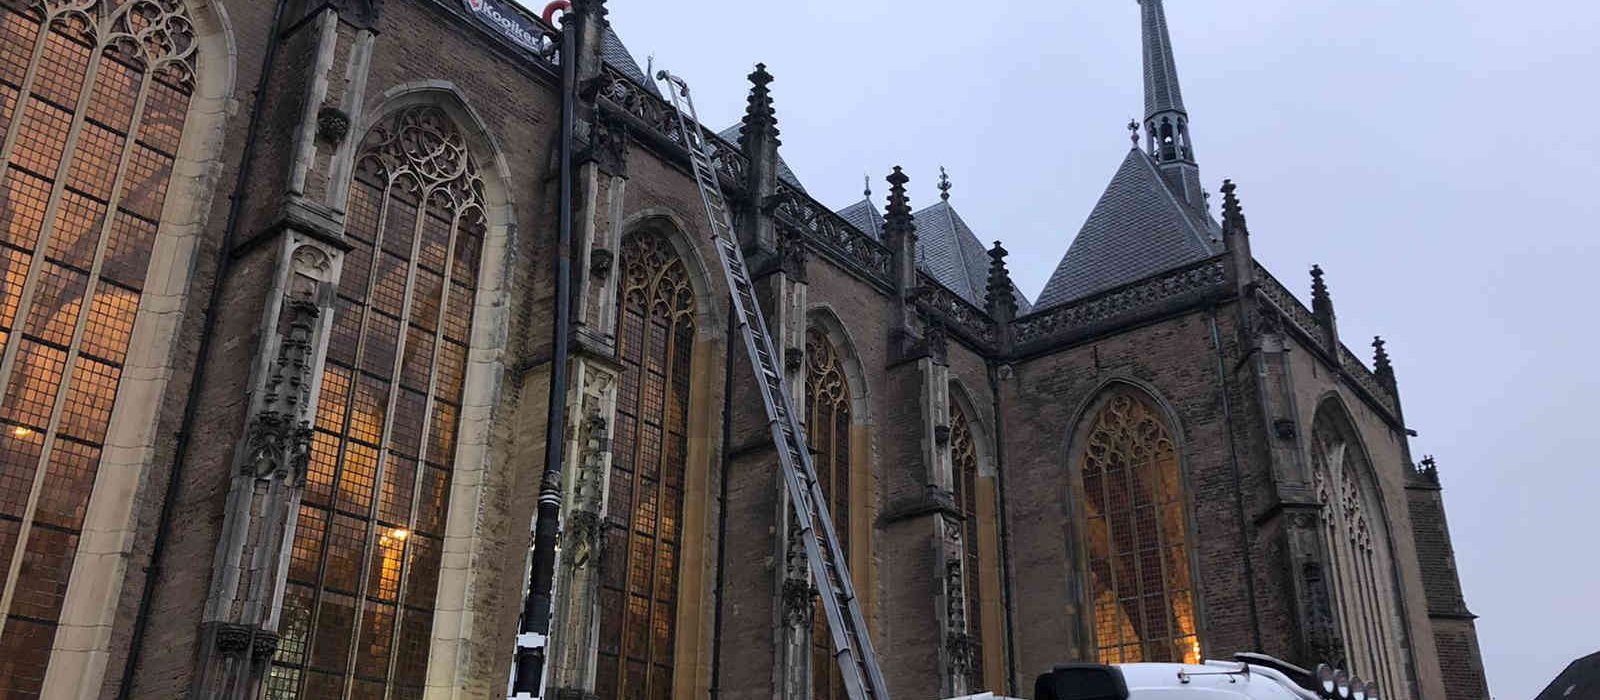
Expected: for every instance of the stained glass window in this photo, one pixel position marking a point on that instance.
(1354, 533)
(358, 608)
(1137, 542)
(828, 431)
(644, 507)
(90, 118)
(964, 470)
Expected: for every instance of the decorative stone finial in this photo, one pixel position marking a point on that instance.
(1319, 290)
(1232, 213)
(760, 119)
(866, 186)
(897, 217)
(1133, 132)
(1429, 470)
(944, 184)
(999, 300)
(1381, 365)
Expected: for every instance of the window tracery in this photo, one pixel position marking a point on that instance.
(1359, 578)
(1137, 536)
(94, 95)
(828, 417)
(644, 506)
(964, 468)
(358, 606)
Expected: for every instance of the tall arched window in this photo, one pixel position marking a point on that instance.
(649, 449)
(364, 568)
(93, 100)
(1136, 532)
(964, 469)
(828, 431)
(1355, 536)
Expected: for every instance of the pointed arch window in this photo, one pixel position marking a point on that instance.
(94, 96)
(1360, 572)
(1137, 536)
(644, 505)
(964, 468)
(828, 419)
(364, 568)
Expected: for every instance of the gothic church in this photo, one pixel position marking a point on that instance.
(277, 327)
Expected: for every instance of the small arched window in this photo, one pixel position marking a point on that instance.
(1136, 535)
(828, 418)
(650, 447)
(94, 96)
(1355, 536)
(364, 568)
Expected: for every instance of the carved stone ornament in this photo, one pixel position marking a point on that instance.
(264, 646)
(798, 593)
(1283, 428)
(584, 544)
(792, 255)
(955, 598)
(794, 359)
(941, 435)
(600, 261)
(333, 125)
(279, 441)
(959, 647)
(232, 639)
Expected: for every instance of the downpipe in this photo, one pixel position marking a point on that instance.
(535, 626)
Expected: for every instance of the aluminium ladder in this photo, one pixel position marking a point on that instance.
(851, 647)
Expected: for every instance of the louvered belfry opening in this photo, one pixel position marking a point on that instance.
(93, 100)
(644, 506)
(364, 567)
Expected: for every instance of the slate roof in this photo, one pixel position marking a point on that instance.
(1140, 227)
(1161, 93)
(731, 135)
(617, 56)
(864, 215)
(947, 249)
(1581, 679)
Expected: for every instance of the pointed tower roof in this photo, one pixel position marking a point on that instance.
(1138, 228)
(731, 135)
(1161, 91)
(1152, 216)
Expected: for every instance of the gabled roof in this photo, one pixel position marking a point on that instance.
(1581, 679)
(947, 249)
(617, 56)
(731, 135)
(864, 215)
(1139, 228)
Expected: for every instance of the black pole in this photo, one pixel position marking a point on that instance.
(536, 608)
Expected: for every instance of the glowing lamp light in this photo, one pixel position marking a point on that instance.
(399, 534)
(21, 432)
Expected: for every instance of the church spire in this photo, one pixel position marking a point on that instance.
(1166, 122)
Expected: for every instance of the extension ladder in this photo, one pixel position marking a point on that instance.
(851, 647)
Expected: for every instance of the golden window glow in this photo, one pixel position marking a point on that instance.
(644, 507)
(79, 204)
(364, 565)
(828, 431)
(1137, 542)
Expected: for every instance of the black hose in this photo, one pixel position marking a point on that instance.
(191, 401)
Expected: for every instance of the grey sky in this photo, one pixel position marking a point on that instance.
(1436, 158)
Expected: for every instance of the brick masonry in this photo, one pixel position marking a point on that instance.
(1193, 361)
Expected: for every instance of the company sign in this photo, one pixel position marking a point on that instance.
(503, 18)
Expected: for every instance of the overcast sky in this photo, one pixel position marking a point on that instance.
(1438, 159)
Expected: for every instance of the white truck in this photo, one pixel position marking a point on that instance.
(1246, 677)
